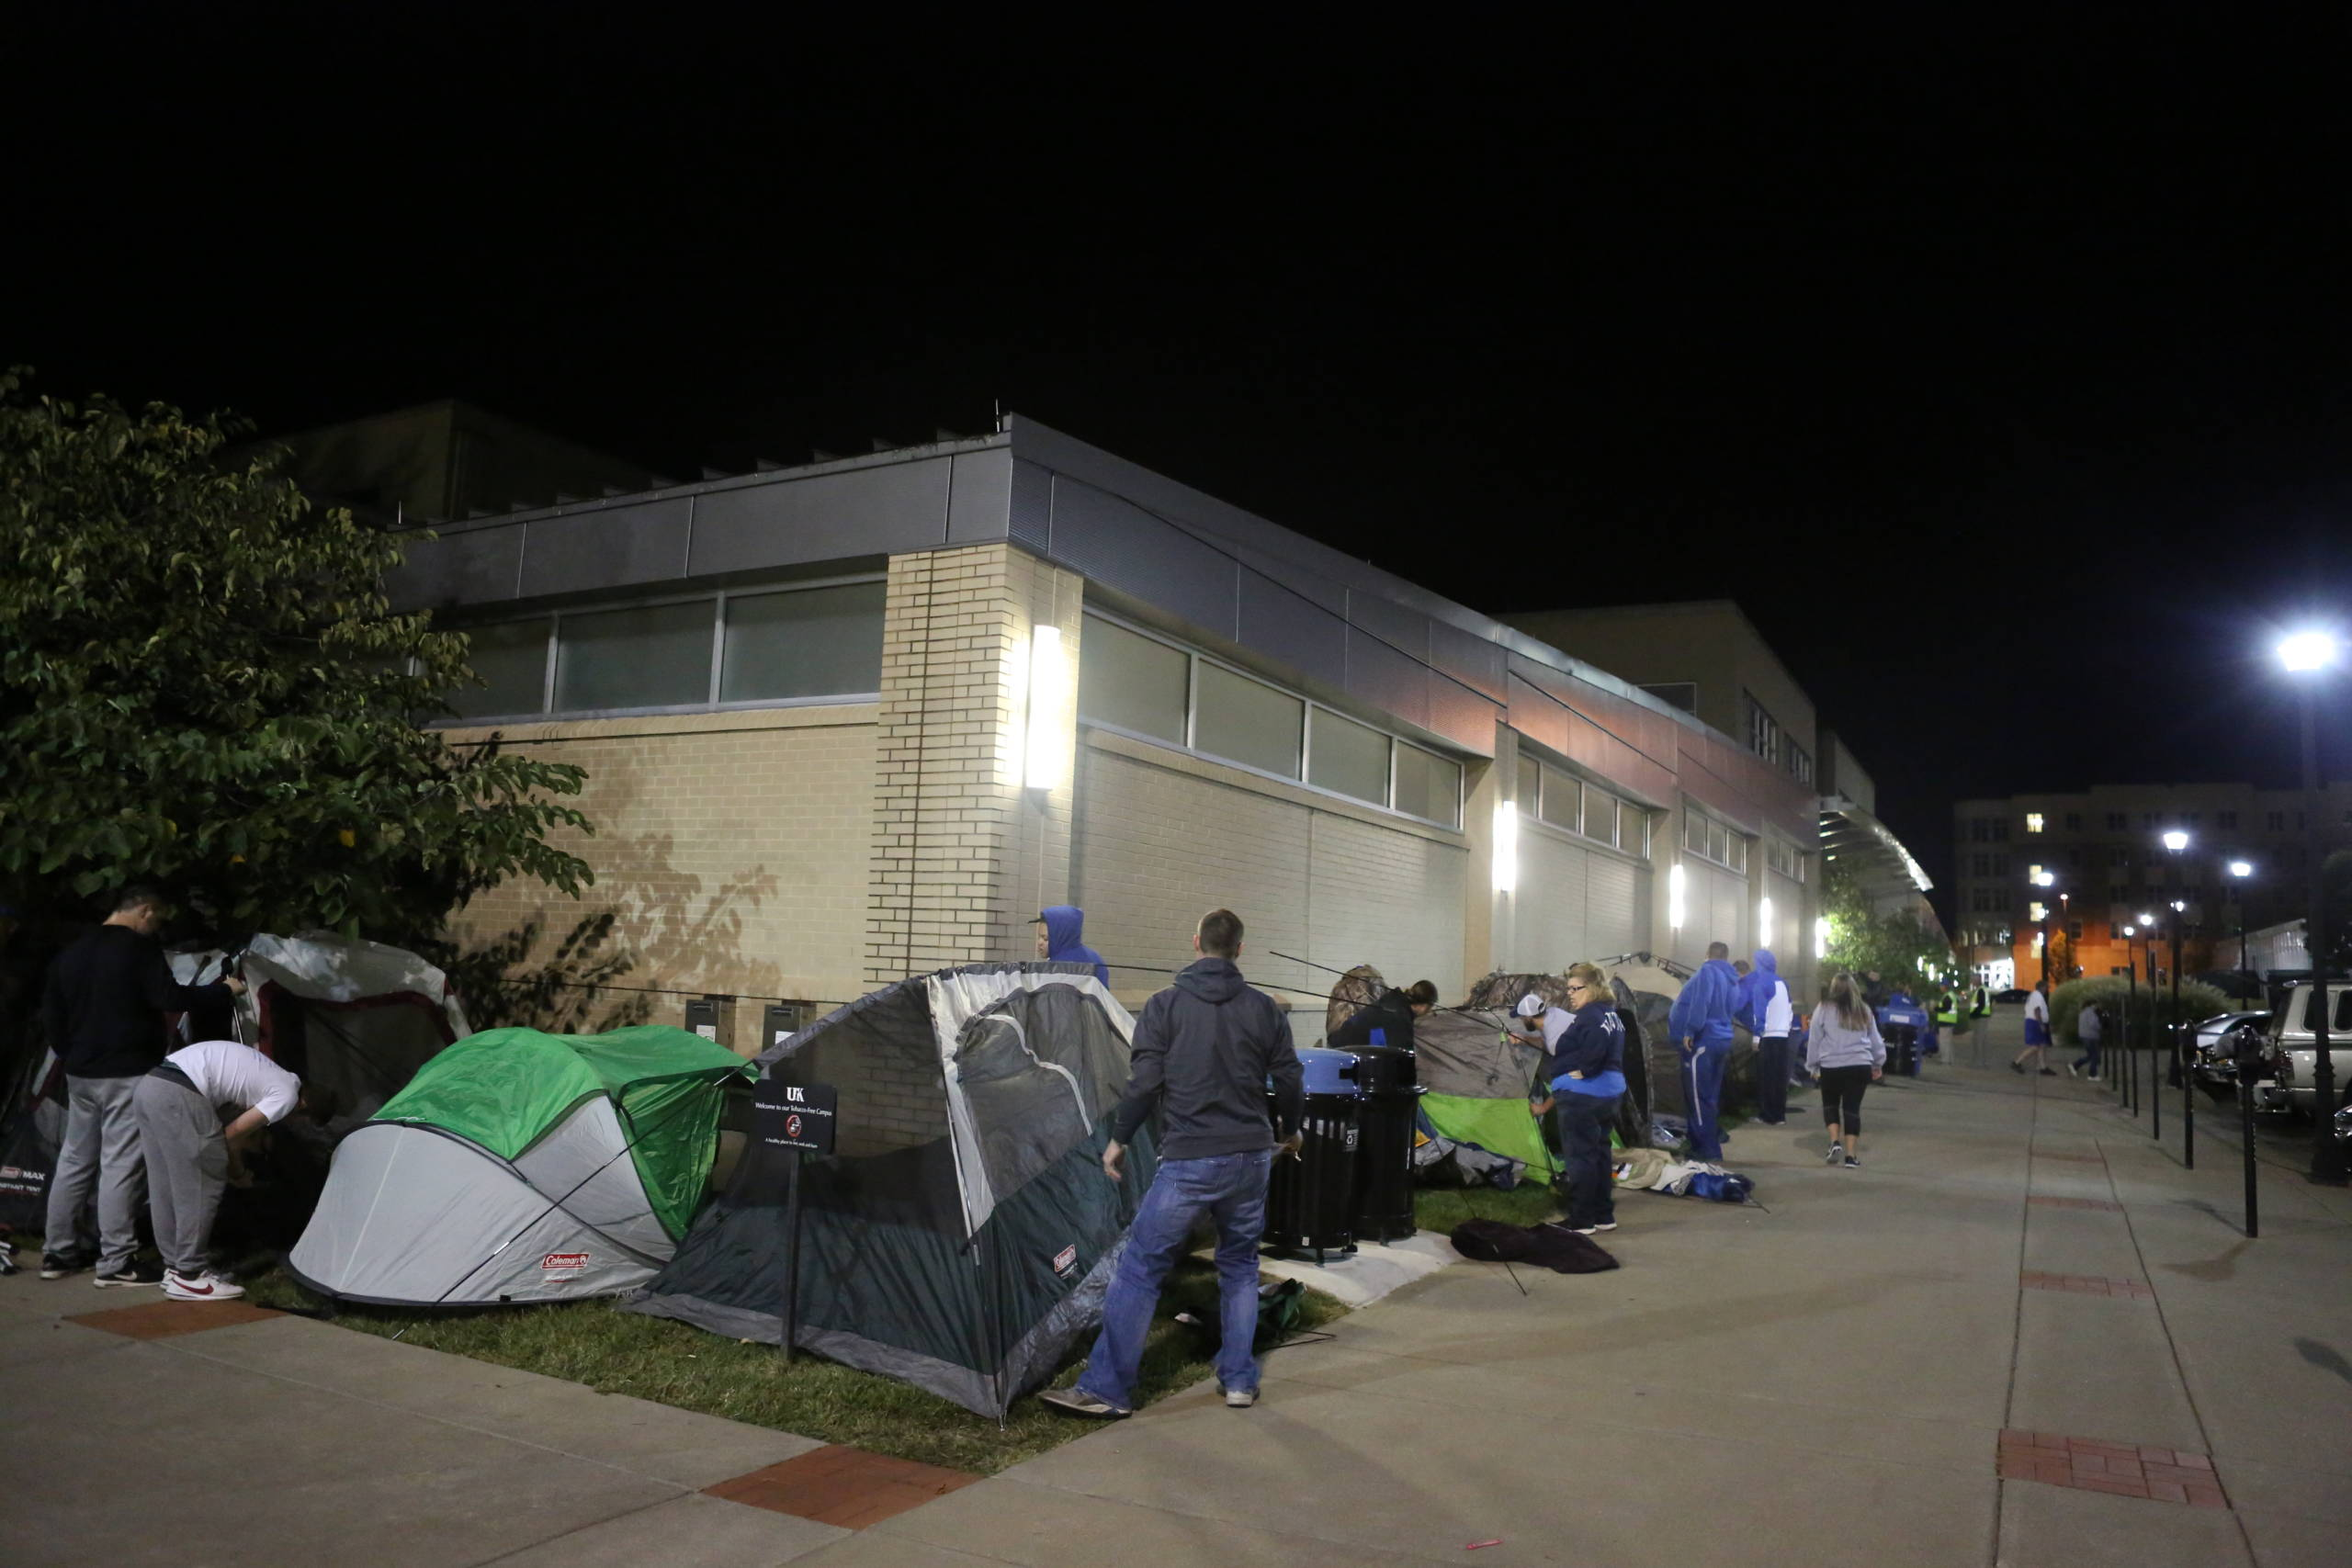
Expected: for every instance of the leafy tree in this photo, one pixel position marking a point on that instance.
(1861, 939)
(202, 685)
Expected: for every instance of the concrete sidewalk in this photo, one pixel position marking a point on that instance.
(1826, 1380)
(2020, 1334)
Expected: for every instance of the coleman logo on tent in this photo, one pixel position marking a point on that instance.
(564, 1262)
(1065, 1260)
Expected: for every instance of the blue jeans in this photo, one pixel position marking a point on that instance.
(1585, 1120)
(1231, 1190)
(1702, 1092)
(2089, 1058)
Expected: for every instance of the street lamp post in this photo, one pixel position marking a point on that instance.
(2045, 881)
(2154, 1093)
(2311, 655)
(2239, 871)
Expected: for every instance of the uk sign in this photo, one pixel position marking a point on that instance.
(794, 1116)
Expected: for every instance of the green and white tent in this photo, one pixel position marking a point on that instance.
(522, 1167)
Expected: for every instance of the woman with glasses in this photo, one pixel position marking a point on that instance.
(1584, 1064)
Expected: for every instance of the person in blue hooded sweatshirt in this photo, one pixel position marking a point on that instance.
(1765, 1012)
(1061, 930)
(1700, 1024)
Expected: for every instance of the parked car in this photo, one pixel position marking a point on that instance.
(2294, 1054)
(2013, 995)
(2217, 1048)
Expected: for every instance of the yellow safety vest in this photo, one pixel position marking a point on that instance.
(1982, 1007)
(1946, 1009)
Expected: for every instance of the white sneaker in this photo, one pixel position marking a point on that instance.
(1241, 1398)
(1837, 1153)
(205, 1287)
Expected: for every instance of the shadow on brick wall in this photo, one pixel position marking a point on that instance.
(649, 929)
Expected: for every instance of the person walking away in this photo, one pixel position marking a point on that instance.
(1584, 1065)
(1849, 1056)
(1765, 1011)
(2037, 1032)
(1204, 1050)
(1701, 1023)
(2088, 1028)
(104, 1008)
(1061, 932)
(191, 1155)
(1392, 1017)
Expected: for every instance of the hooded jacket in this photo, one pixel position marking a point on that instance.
(1703, 1009)
(1065, 928)
(1392, 1014)
(1204, 1050)
(1764, 1007)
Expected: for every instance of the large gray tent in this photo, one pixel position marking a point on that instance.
(963, 1234)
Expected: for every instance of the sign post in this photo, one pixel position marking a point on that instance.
(799, 1119)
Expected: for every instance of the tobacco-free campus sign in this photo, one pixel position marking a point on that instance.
(794, 1116)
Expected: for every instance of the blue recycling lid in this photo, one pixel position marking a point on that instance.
(1329, 1071)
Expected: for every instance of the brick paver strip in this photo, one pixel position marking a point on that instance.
(2077, 1203)
(840, 1485)
(163, 1319)
(2123, 1470)
(2089, 1285)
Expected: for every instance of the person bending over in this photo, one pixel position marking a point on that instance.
(1849, 1056)
(1204, 1050)
(197, 1112)
(1392, 1015)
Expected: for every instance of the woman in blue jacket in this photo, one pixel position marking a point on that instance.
(1584, 1067)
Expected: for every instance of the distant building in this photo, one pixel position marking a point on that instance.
(449, 461)
(1706, 658)
(2104, 851)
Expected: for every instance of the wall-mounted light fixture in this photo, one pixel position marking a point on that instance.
(1046, 755)
(1675, 909)
(1506, 868)
(1821, 937)
(1764, 922)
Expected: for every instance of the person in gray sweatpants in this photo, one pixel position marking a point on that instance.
(191, 1154)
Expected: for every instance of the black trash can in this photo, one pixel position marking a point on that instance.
(1310, 1202)
(1390, 1102)
(1902, 1050)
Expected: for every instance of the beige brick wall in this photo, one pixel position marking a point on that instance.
(962, 854)
(1162, 836)
(731, 849)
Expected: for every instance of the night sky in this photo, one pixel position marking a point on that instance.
(1998, 368)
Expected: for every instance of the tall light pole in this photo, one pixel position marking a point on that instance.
(2309, 656)
(2154, 1092)
(2175, 844)
(2045, 881)
(2239, 871)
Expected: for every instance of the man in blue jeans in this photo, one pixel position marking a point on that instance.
(1204, 1050)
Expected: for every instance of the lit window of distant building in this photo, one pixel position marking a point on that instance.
(2033, 821)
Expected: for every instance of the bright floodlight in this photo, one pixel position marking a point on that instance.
(2240, 868)
(2045, 879)
(2175, 841)
(2180, 906)
(2309, 650)
(2147, 920)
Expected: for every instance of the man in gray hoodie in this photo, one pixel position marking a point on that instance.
(1204, 1050)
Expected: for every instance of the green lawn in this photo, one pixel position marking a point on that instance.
(1440, 1208)
(616, 1352)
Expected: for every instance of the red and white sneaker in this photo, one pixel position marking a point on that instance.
(205, 1287)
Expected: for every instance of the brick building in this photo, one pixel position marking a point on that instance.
(2103, 849)
(860, 719)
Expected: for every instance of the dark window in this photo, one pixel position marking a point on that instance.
(2116, 822)
(2074, 821)
(2225, 820)
(2276, 821)
(2000, 829)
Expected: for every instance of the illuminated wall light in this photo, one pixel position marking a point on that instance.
(1052, 737)
(1506, 869)
(1821, 937)
(1764, 922)
(1675, 908)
